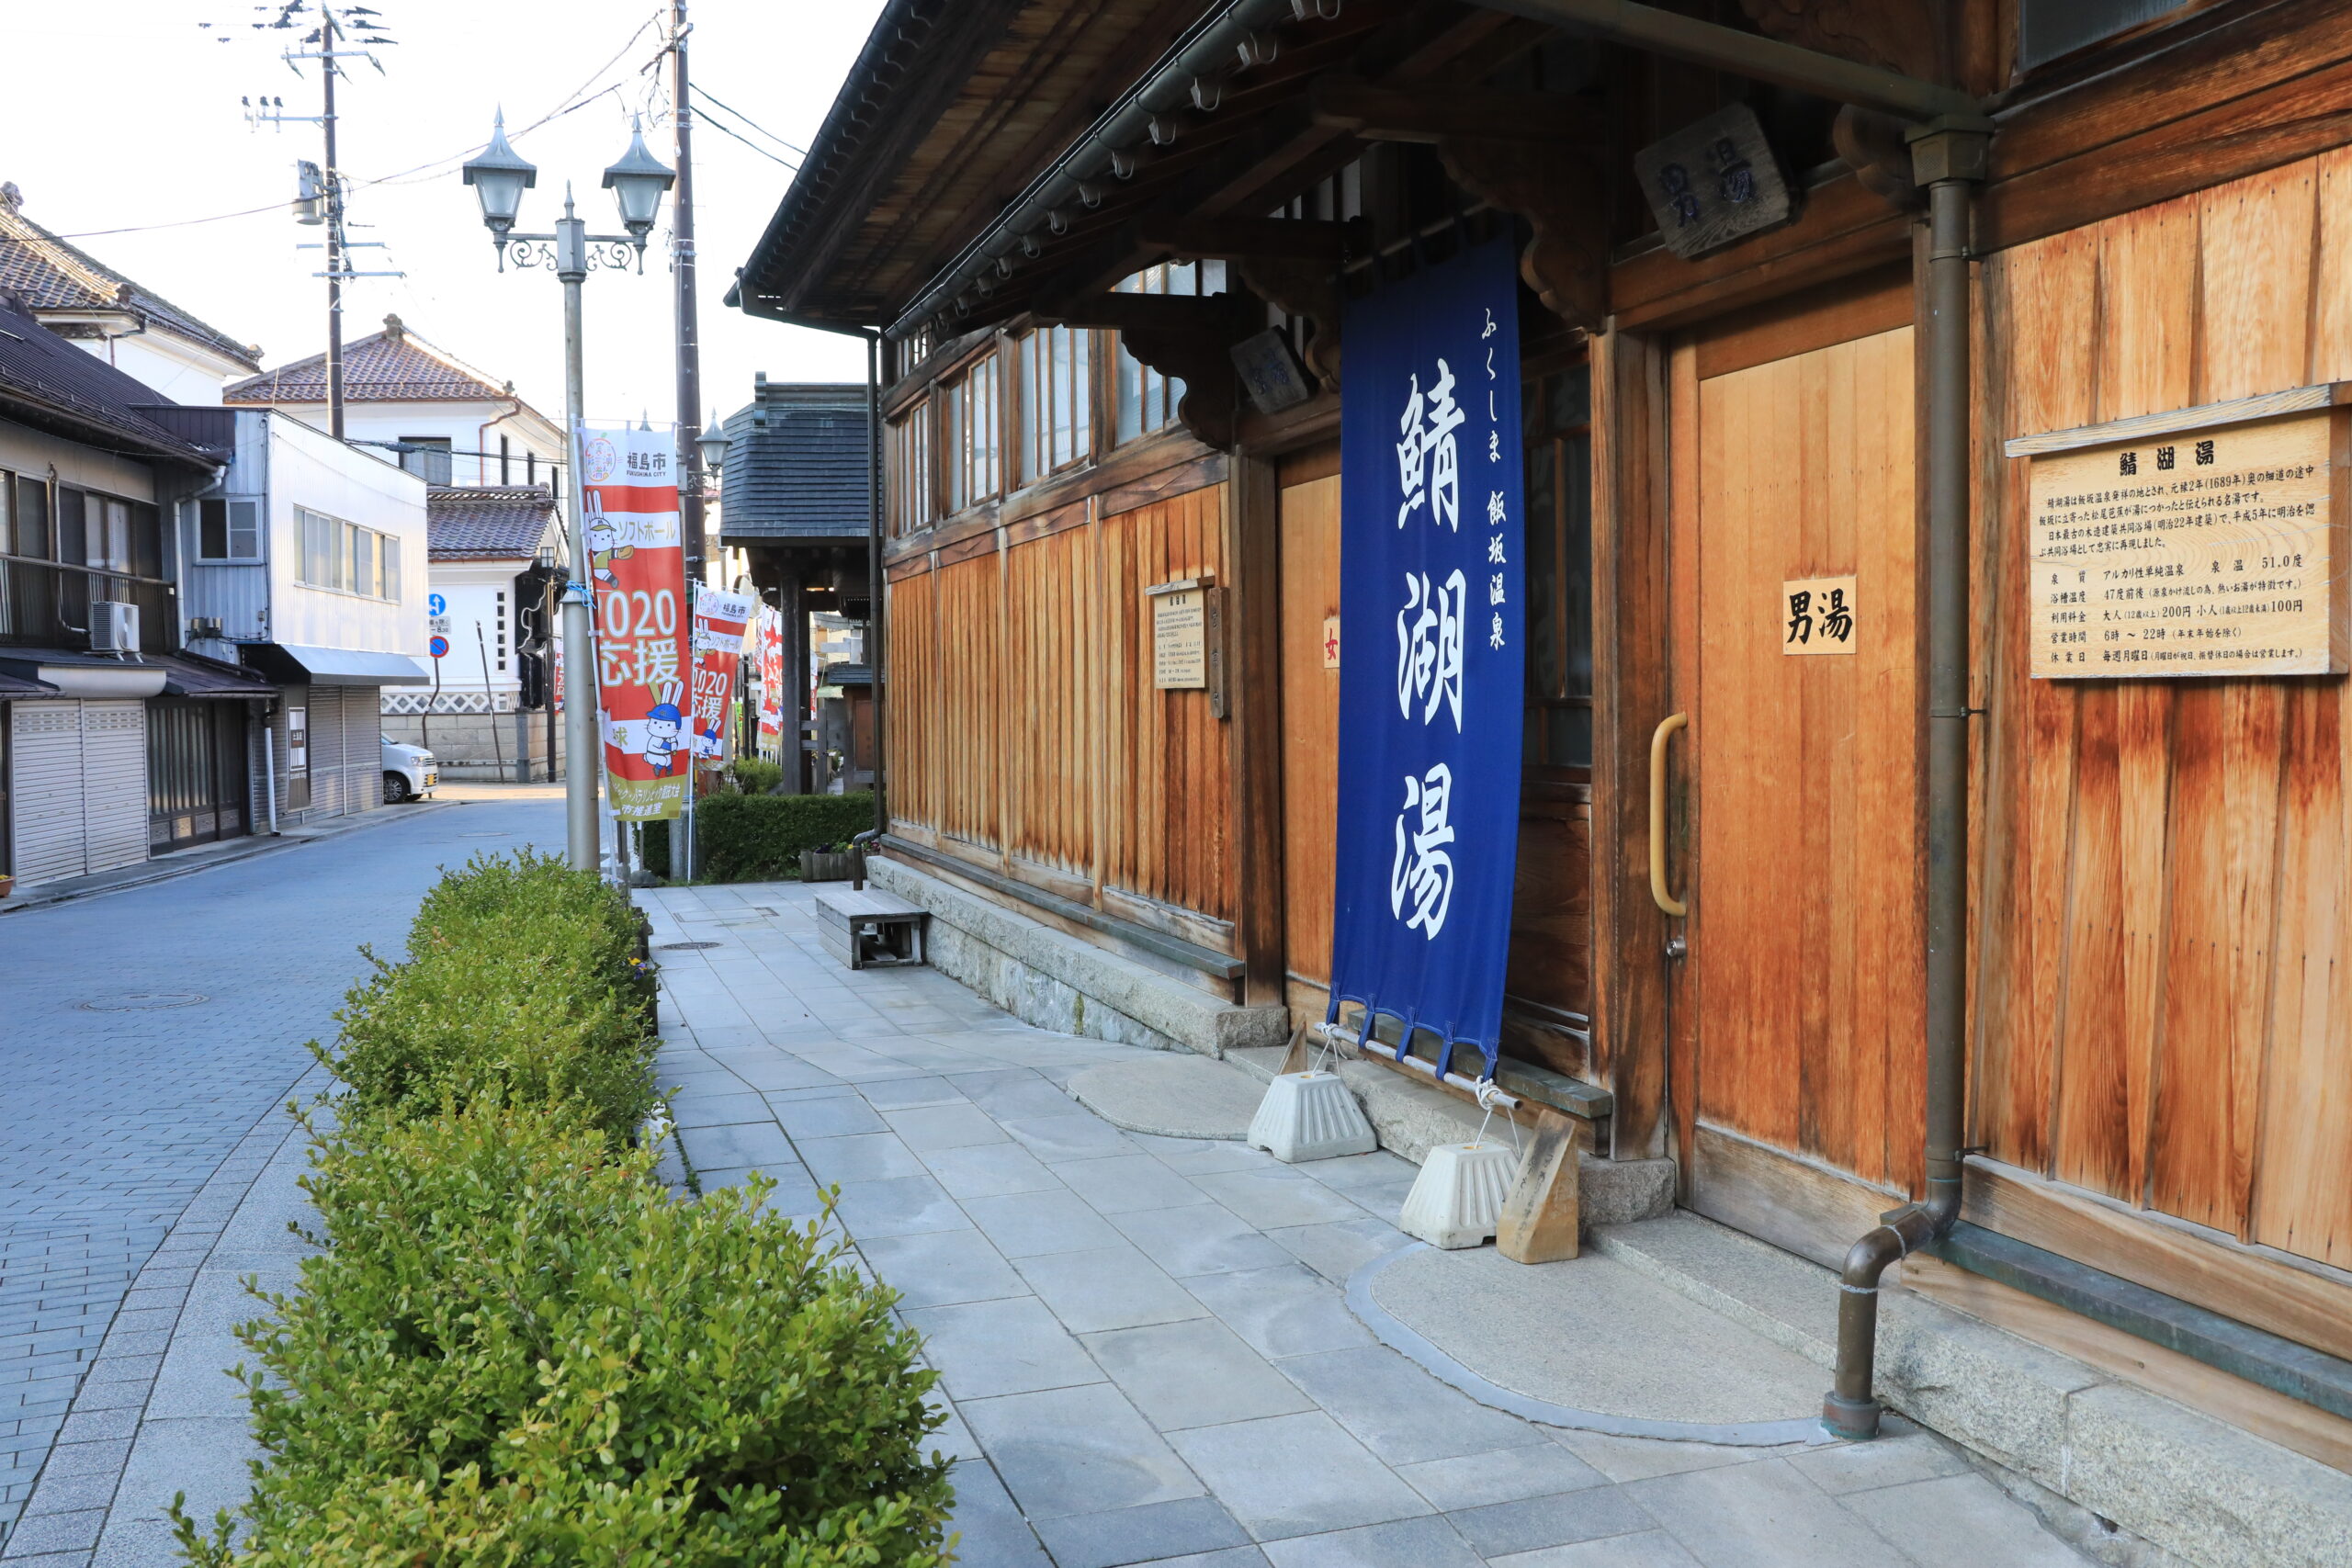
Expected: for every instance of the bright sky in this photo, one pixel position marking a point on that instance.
(133, 121)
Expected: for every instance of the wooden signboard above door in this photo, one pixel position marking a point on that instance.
(2200, 542)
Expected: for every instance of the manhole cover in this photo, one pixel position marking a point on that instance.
(144, 1002)
(685, 946)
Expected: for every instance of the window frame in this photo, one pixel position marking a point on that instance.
(332, 546)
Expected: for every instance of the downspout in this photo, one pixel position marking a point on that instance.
(874, 607)
(1951, 162)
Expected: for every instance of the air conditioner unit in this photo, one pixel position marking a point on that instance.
(114, 626)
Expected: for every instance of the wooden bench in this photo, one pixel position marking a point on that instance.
(867, 930)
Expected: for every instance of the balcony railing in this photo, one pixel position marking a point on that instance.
(47, 604)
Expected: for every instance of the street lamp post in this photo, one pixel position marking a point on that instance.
(500, 175)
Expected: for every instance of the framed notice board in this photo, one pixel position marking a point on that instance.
(2200, 542)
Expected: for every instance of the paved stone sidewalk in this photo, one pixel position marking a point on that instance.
(1144, 1340)
(150, 1034)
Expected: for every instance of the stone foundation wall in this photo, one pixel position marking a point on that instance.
(462, 743)
(1054, 980)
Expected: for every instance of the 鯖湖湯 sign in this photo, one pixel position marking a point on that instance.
(2205, 550)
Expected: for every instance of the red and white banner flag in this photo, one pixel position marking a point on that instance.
(630, 496)
(771, 680)
(721, 617)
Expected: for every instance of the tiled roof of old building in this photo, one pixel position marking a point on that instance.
(391, 365)
(796, 464)
(46, 382)
(48, 275)
(492, 522)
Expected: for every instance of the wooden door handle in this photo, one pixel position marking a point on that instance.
(1664, 733)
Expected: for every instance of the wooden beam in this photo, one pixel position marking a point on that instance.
(1630, 694)
(1253, 549)
(1233, 239)
(1212, 313)
(1432, 114)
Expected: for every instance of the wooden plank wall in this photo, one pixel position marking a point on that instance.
(1168, 753)
(2164, 985)
(1025, 729)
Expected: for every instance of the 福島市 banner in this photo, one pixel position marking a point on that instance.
(628, 487)
(720, 616)
(771, 680)
(1430, 661)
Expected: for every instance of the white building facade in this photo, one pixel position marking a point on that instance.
(493, 466)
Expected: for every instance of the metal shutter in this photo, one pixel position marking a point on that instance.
(114, 783)
(327, 796)
(46, 745)
(363, 745)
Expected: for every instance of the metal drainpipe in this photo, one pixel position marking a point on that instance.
(1949, 160)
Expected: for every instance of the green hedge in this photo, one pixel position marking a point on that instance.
(521, 982)
(758, 837)
(515, 1350)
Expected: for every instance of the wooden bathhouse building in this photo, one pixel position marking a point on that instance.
(1926, 599)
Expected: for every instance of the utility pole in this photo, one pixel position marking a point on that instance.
(327, 33)
(682, 221)
(324, 203)
(690, 490)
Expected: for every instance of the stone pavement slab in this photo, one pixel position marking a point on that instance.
(1147, 1337)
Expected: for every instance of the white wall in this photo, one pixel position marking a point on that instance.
(310, 469)
(467, 426)
(471, 590)
(182, 372)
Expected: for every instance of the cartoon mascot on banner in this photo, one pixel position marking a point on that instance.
(664, 723)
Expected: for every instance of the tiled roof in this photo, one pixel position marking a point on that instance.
(47, 382)
(492, 523)
(391, 365)
(796, 464)
(48, 274)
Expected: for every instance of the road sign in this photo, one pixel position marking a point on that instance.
(438, 647)
(436, 604)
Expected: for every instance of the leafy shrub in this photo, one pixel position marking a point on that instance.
(521, 986)
(517, 1350)
(752, 775)
(758, 837)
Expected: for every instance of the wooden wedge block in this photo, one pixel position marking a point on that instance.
(1539, 1218)
(1295, 1059)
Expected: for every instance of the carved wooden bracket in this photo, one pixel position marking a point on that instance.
(1308, 290)
(1178, 335)
(1562, 195)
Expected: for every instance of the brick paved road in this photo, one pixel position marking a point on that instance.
(125, 1096)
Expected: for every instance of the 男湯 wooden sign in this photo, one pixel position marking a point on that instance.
(2204, 542)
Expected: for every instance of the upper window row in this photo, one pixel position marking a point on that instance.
(348, 558)
(45, 521)
(1030, 407)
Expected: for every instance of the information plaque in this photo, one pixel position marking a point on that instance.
(1179, 642)
(2212, 549)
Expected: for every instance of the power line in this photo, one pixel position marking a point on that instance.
(701, 93)
(402, 176)
(721, 127)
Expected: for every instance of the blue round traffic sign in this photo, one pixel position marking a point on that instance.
(438, 604)
(438, 647)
